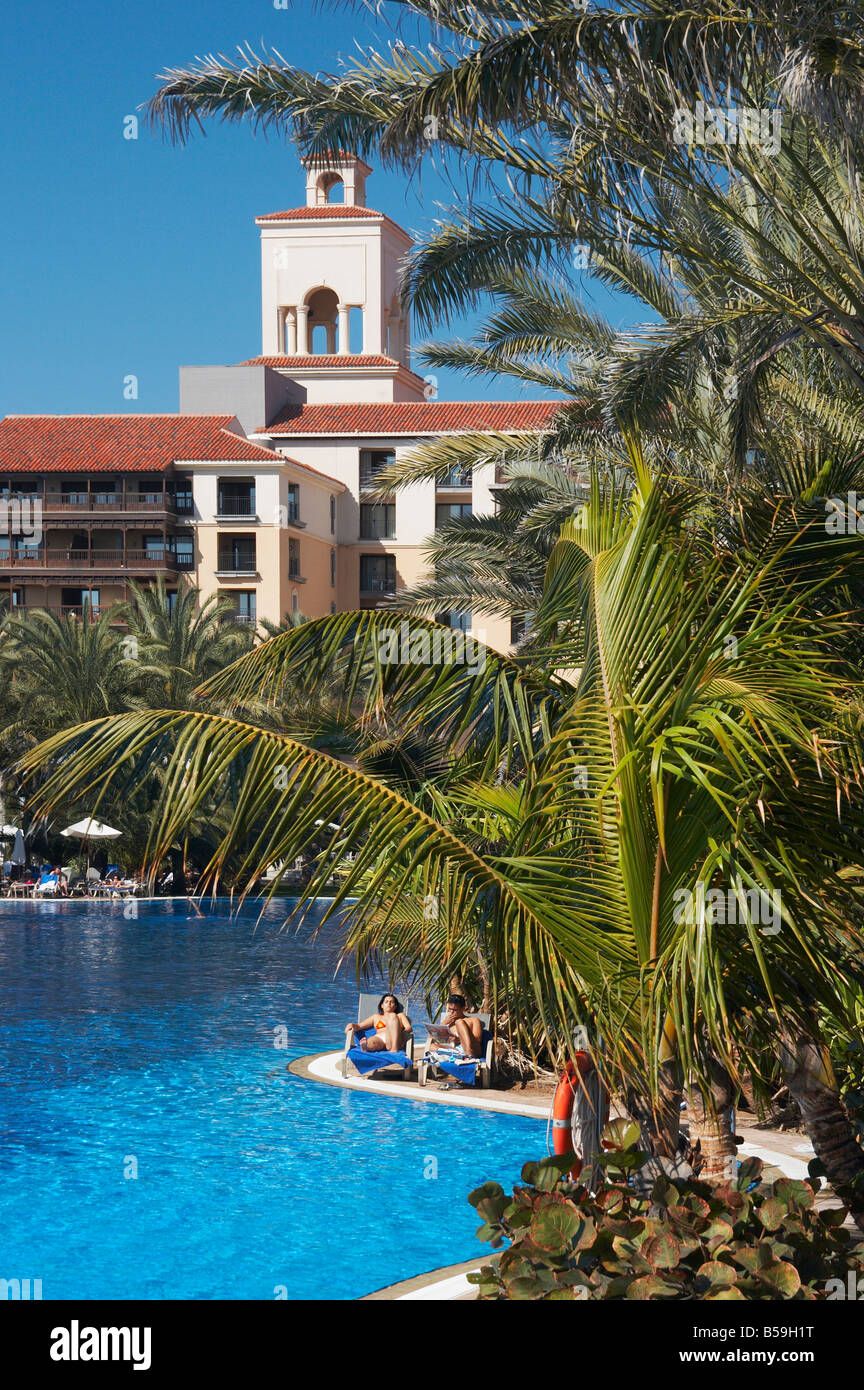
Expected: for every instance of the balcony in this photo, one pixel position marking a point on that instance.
(90, 560)
(108, 503)
(457, 480)
(378, 586)
(230, 508)
(236, 564)
(78, 610)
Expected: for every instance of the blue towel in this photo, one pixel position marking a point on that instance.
(371, 1061)
(447, 1058)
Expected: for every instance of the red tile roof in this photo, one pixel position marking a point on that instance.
(331, 154)
(119, 443)
(413, 417)
(327, 211)
(322, 359)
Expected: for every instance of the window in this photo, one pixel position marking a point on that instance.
(21, 487)
(332, 569)
(332, 516)
(518, 628)
(153, 547)
(293, 559)
(237, 554)
(246, 605)
(458, 619)
(236, 497)
(372, 461)
(377, 521)
(295, 605)
(150, 492)
(332, 605)
(182, 492)
(80, 600)
(183, 547)
(457, 477)
(72, 493)
(28, 546)
(450, 511)
(378, 574)
(170, 601)
(293, 501)
(106, 495)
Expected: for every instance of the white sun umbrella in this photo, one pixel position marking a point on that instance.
(90, 829)
(19, 853)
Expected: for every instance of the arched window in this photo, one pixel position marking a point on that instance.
(330, 188)
(323, 314)
(332, 516)
(332, 569)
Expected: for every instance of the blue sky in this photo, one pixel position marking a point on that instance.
(129, 257)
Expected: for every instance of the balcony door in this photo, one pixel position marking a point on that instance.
(237, 554)
(236, 497)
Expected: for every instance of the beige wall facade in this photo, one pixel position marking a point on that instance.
(281, 551)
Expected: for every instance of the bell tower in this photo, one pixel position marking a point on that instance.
(325, 173)
(331, 313)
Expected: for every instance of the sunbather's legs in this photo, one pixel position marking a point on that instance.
(391, 1038)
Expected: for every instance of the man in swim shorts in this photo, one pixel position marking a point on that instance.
(466, 1033)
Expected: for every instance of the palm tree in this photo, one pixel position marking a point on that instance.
(698, 746)
(177, 644)
(61, 671)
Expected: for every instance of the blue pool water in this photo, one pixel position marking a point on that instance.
(153, 1042)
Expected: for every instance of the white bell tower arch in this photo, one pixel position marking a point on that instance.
(325, 265)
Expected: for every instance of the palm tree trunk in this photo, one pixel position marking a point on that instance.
(711, 1128)
(483, 970)
(659, 1121)
(810, 1078)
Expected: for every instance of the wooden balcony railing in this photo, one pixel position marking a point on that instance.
(89, 559)
(78, 610)
(113, 502)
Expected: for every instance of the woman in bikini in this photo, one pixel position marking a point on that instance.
(391, 1025)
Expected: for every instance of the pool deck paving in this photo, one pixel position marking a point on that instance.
(784, 1153)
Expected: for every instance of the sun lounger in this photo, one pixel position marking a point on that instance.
(367, 1062)
(453, 1061)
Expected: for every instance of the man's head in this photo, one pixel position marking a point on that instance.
(455, 1005)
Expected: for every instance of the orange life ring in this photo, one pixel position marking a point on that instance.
(562, 1106)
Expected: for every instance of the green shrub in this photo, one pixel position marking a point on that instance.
(680, 1240)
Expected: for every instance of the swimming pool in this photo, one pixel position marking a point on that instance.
(156, 1044)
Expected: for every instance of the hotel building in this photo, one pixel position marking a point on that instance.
(260, 487)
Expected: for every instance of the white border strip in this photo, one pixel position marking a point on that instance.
(456, 1286)
(329, 1068)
